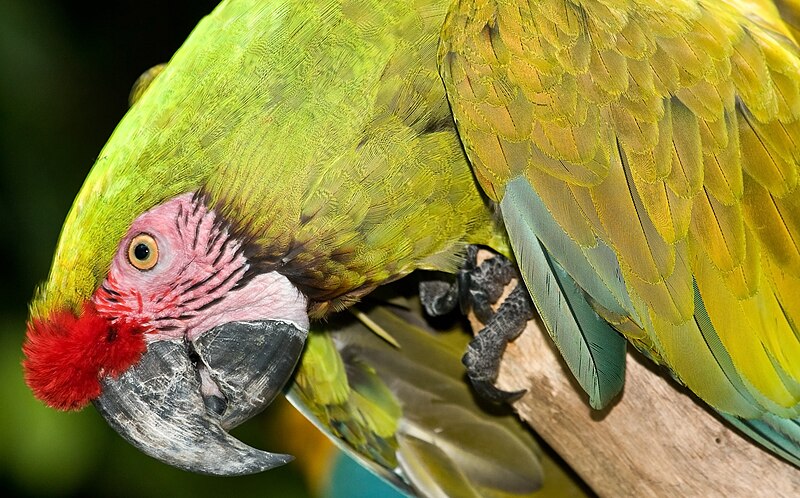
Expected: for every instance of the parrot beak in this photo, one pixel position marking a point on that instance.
(178, 401)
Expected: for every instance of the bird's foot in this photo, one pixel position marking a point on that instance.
(478, 287)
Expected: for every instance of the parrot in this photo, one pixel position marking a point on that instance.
(635, 160)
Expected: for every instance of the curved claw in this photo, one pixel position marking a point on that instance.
(159, 404)
(487, 390)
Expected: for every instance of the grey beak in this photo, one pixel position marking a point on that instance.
(177, 403)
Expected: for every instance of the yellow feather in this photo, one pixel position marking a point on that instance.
(672, 297)
(763, 217)
(647, 108)
(789, 210)
(685, 348)
(744, 280)
(650, 258)
(585, 205)
(634, 43)
(676, 20)
(576, 60)
(573, 143)
(704, 100)
(713, 134)
(735, 330)
(787, 89)
(552, 34)
(588, 174)
(509, 22)
(686, 175)
(609, 71)
(635, 135)
(560, 201)
(692, 62)
(565, 15)
(719, 229)
(722, 171)
(770, 323)
(603, 23)
(715, 31)
(669, 213)
(491, 170)
(783, 140)
(513, 127)
(764, 162)
(560, 103)
(720, 24)
(671, 132)
(642, 81)
(665, 69)
(592, 92)
(464, 78)
(778, 51)
(752, 80)
(531, 81)
(785, 285)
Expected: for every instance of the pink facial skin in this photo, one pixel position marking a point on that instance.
(197, 283)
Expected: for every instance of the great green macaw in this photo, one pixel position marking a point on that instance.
(638, 159)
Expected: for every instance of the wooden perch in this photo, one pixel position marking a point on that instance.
(656, 440)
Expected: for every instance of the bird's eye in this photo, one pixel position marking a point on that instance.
(143, 252)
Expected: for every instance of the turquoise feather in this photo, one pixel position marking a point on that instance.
(593, 351)
(779, 435)
(595, 269)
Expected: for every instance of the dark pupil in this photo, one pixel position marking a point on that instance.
(141, 251)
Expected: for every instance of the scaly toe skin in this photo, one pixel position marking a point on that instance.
(492, 276)
(477, 288)
(482, 360)
(439, 297)
(484, 283)
(486, 349)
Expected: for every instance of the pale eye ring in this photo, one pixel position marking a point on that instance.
(143, 252)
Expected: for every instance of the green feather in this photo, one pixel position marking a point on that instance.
(441, 441)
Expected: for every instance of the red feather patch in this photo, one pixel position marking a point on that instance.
(67, 355)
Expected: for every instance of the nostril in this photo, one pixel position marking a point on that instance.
(215, 405)
(215, 402)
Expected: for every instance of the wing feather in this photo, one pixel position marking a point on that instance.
(667, 133)
(406, 413)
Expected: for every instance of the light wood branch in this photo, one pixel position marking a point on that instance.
(656, 440)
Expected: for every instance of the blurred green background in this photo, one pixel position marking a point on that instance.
(65, 72)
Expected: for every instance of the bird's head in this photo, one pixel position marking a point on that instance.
(177, 340)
